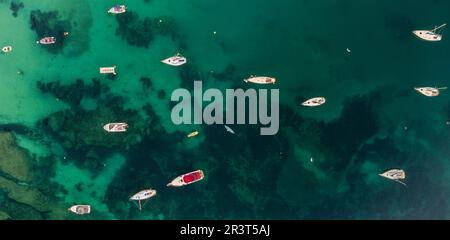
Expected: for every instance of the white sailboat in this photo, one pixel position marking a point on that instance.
(430, 91)
(394, 174)
(176, 60)
(430, 35)
(80, 209)
(47, 41)
(142, 196)
(118, 9)
(314, 102)
(260, 80)
(229, 129)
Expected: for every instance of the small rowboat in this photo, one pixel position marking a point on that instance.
(80, 209)
(116, 127)
(187, 179)
(261, 80)
(143, 195)
(47, 40)
(6, 49)
(118, 9)
(108, 70)
(314, 102)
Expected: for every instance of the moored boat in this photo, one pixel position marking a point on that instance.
(6, 49)
(193, 134)
(47, 40)
(430, 91)
(116, 127)
(261, 80)
(176, 60)
(143, 195)
(108, 70)
(430, 35)
(118, 9)
(314, 102)
(394, 174)
(187, 179)
(80, 209)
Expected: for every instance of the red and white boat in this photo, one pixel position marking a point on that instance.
(108, 70)
(261, 80)
(430, 91)
(187, 179)
(80, 209)
(176, 60)
(116, 127)
(118, 9)
(143, 195)
(47, 40)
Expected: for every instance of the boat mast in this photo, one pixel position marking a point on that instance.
(436, 28)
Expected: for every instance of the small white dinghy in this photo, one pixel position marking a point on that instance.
(192, 134)
(176, 60)
(430, 35)
(430, 91)
(314, 102)
(80, 209)
(6, 49)
(260, 80)
(142, 196)
(118, 9)
(116, 127)
(187, 179)
(395, 174)
(47, 41)
(108, 70)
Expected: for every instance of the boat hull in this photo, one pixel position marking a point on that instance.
(117, 9)
(80, 209)
(6, 49)
(116, 127)
(428, 91)
(394, 174)
(47, 41)
(427, 35)
(186, 179)
(261, 80)
(175, 61)
(143, 195)
(108, 70)
(314, 102)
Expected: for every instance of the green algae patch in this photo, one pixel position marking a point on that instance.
(13, 161)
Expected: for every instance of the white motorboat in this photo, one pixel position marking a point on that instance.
(314, 102)
(430, 91)
(116, 127)
(261, 80)
(47, 40)
(6, 49)
(118, 9)
(143, 195)
(430, 35)
(108, 70)
(394, 174)
(80, 209)
(187, 179)
(176, 60)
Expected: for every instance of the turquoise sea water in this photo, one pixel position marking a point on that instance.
(54, 104)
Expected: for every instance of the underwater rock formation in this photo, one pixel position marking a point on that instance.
(4, 216)
(15, 7)
(14, 162)
(141, 32)
(47, 24)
